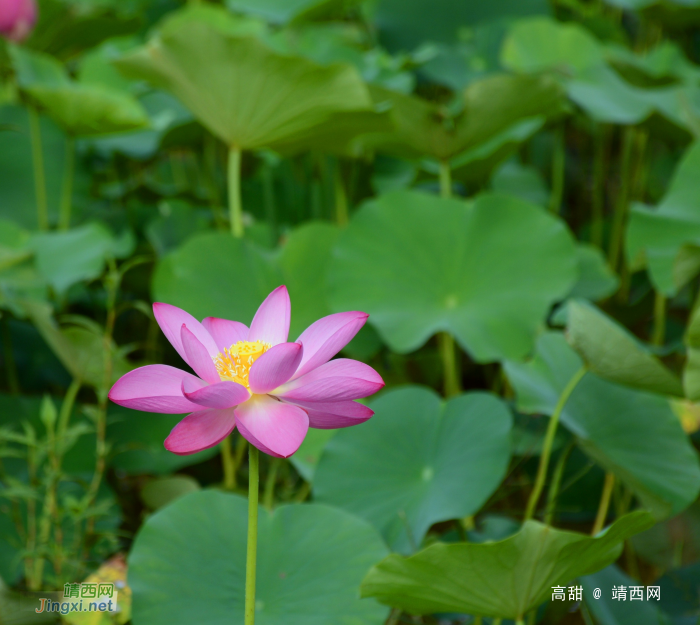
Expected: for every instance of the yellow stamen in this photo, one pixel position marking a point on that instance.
(235, 362)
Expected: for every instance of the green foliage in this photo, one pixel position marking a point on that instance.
(222, 77)
(80, 109)
(473, 175)
(668, 235)
(445, 460)
(299, 549)
(417, 275)
(634, 434)
(500, 579)
(610, 351)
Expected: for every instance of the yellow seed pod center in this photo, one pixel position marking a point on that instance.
(235, 362)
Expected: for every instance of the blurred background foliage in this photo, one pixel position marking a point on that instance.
(510, 188)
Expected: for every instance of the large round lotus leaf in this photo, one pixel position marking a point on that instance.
(187, 565)
(304, 262)
(485, 272)
(660, 233)
(416, 462)
(506, 578)
(632, 433)
(489, 107)
(215, 275)
(246, 94)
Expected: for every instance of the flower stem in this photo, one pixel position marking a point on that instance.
(604, 503)
(598, 196)
(42, 210)
(251, 558)
(445, 179)
(556, 484)
(659, 333)
(619, 218)
(558, 171)
(228, 463)
(448, 354)
(549, 441)
(234, 191)
(67, 189)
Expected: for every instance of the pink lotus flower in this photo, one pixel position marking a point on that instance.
(17, 18)
(253, 378)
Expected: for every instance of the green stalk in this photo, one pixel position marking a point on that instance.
(558, 171)
(341, 198)
(67, 189)
(604, 503)
(556, 484)
(445, 179)
(448, 354)
(42, 209)
(229, 464)
(619, 218)
(659, 332)
(446, 344)
(548, 442)
(598, 198)
(251, 556)
(269, 200)
(67, 408)
(234, 192)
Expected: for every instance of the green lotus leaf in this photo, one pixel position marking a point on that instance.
(79, 109)
(540, 43)
(691, 372)
(596, 280)
(65, 258)
(243, 92)
(661, 233)
(634, 434)
(192, 276)
(444, 461)
(284, 11)
(578, 60)
(503, 579)
(614, 612)
(307, 456)
(419, 265)
(610, 351)
(215, 275)
(488, 107)
(187, 564)
(79, 346)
